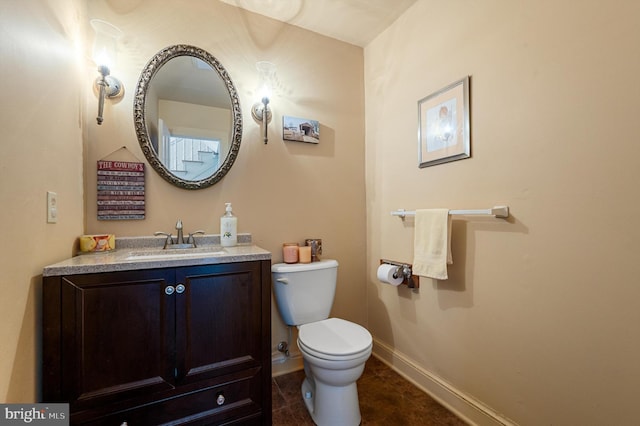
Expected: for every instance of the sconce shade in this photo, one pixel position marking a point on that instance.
(267, 72)
(105, 43)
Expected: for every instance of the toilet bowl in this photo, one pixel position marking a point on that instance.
(334, 350)
(334, 353)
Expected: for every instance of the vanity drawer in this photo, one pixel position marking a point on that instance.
(234, 399)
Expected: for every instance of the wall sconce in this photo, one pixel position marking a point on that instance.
(260, 110)
(104, 55)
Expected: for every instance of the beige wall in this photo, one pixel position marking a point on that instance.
(41, 150)
(539, 319)
(282, 191)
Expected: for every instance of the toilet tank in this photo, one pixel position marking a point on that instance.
(304, 292)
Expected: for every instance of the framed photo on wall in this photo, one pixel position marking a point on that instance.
(443, 125)
(300, 129)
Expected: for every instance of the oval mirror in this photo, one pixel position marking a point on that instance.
(187, 117)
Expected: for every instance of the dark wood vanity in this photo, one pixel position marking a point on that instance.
(160, 345)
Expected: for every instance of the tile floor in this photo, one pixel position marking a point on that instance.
(385, 399)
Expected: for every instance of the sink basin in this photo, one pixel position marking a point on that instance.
(176, 253)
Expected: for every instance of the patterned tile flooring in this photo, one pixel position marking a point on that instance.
(385, 399)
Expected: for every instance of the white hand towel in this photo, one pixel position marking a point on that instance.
(432, 243)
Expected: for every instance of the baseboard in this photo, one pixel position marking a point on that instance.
(281, 364)
(467, 408)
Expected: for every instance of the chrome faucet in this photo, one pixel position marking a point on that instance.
(179, 228)
(179, 243)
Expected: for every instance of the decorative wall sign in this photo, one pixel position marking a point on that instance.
(120, 190)
(300, 129)
(443, 125)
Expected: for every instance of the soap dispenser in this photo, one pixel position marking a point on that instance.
(228, 228)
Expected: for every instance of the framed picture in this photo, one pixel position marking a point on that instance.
(443, 125)
(300, 129)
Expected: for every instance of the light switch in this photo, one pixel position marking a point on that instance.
(52, 207)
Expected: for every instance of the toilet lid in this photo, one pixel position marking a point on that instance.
(335, 336)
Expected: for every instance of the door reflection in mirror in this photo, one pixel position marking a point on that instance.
(188, 118)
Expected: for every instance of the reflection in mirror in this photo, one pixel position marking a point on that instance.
(187, 117)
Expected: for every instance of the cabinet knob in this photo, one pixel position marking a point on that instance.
(220, 399)
(169, 290)
(180, 288)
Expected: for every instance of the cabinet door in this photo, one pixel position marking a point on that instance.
(117, 338)
(218, 320)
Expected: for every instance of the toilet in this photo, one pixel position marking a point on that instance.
(334, 350)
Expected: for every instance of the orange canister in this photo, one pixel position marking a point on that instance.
(290, 252)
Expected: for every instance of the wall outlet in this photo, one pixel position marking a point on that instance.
(52, 207)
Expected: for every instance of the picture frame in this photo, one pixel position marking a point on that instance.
(443, 125)
(300, 129)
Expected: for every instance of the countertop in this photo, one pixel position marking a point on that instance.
(134, 253)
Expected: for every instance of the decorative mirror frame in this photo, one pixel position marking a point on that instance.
(149, 71)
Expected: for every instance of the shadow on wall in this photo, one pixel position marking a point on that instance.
(261, 36)
(324, 148)
(124, 6)
(457, 291)
(26, 375)
(383, 321)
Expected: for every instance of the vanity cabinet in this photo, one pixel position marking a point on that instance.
(182, 345)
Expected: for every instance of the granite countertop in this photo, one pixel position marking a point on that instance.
(134, 253)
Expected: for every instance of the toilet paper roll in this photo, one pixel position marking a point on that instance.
(385, 274)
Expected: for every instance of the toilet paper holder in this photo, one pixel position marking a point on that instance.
(404, 270)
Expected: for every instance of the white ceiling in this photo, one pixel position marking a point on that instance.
(353, 21)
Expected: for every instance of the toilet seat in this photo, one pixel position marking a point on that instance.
(334, 339)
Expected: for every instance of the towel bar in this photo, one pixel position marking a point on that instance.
(501, 212)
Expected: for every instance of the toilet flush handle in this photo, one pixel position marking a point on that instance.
(282, 280)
